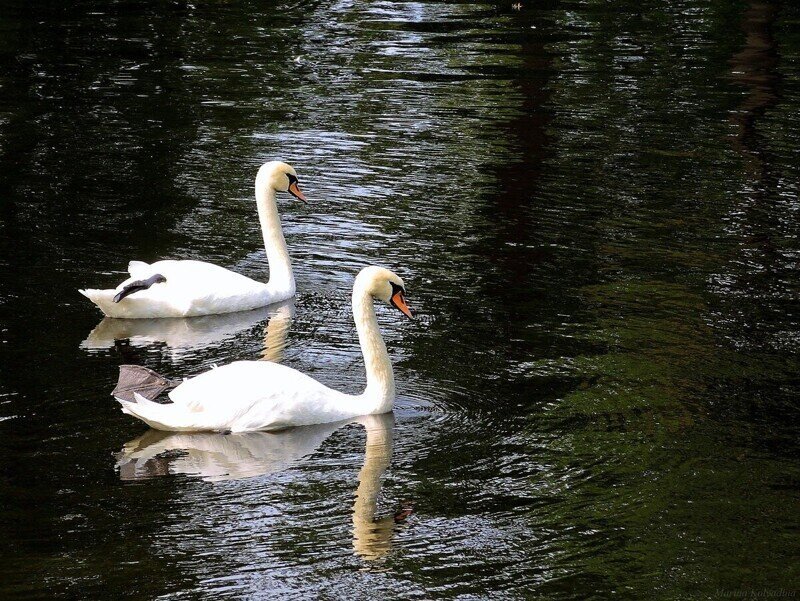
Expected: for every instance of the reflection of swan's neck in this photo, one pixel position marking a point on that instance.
(276, 332)
(371, 538)
(280, 267)
(379, 394)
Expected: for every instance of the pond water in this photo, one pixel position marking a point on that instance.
(595, 210)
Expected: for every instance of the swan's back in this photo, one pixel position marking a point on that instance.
(259, 395)
(191, 288)
(200, 288)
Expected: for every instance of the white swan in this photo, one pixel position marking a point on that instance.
(190, 288)
(257, 395)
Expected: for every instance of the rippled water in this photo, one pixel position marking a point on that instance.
(594, 207)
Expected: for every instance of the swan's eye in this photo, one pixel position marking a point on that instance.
(292, 179)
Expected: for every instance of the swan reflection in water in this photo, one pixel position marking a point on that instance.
(372, 535)
(216, 457)
(182, 334)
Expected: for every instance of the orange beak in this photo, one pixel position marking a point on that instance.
(400, 302)
(295, 191)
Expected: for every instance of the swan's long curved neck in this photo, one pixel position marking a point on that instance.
(280, 266)
(379, 394)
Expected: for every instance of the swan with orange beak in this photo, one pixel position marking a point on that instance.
(191, 288)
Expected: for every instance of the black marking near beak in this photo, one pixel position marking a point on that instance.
(138, 286)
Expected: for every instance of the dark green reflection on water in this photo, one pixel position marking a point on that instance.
(595, 210)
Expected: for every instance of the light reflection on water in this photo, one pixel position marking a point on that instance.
(198, 335)
(224, 457)
(593, 209)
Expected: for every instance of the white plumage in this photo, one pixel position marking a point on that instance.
(192, 288)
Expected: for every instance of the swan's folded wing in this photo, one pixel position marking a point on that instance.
(139, 270)
(208, 285)
(250, 395)
(199, 273)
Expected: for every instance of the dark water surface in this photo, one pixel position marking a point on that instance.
(594, 206)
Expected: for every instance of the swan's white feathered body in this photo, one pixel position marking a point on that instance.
(257, 395)
(244, 396)
(194, 288)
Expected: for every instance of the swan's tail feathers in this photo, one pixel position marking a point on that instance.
(137, 380)
(139, 285)
(104, 299)
(153, 414)
(168, 417)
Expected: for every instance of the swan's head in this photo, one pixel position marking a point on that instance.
(384, 285)
(281, 177)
